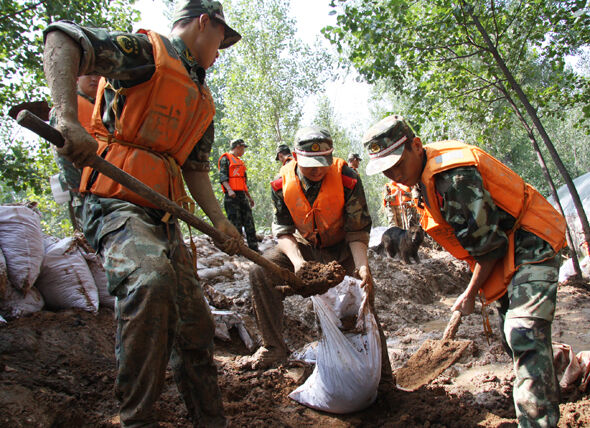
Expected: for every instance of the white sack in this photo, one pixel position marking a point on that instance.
(2, 320)
(224, 320)
(348, 367)
(17, 304)
(100, 279)
(65, 280)
(21, 241)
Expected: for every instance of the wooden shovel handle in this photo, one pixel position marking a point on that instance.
(28, 120)
(452, 326)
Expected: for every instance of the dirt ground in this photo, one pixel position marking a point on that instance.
(57, 369)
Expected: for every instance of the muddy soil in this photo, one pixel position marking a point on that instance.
(57, 369)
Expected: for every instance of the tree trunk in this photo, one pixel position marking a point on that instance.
(538, 125)
(541, 159)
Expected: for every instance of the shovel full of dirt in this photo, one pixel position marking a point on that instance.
(433, 357)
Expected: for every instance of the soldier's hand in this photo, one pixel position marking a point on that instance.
(464, 303)
(79, 147)
(251, 203)
(366, 277)
(232, 244)
(231, 193)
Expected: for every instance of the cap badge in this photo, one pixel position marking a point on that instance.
(375, 148)
(315, 147)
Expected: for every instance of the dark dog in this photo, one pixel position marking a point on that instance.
(406, 242)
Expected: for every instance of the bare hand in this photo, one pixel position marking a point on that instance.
(231, 193)
(79, 147)
(464, 303)
(231, 245)
(366, 279)
(251, 203)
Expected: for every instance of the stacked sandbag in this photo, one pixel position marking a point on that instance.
(65, 280)
(21, 241)
(21, 255)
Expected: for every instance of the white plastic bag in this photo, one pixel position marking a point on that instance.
(21, 241)
(348, 367)
(16, 304)
(65, 280)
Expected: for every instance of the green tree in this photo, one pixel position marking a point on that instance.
(260, 86)
(477, 58)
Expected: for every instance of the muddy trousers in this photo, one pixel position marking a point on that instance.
(394, 216)
(239, 213)
(161, 316)
(268, 302)
(526, 312)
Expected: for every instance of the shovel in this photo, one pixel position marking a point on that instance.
(28, 120)
(433, 357)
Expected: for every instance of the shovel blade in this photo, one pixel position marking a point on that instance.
(433, 357)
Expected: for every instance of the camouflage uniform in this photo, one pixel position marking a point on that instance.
(268, 302)
(161, 312)
(238, 208)
(527, 309)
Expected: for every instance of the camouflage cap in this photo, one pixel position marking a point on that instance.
(385, 143)
(352, 156)
(193, 8)
(282, 148)
(237, 142)
(314, 147)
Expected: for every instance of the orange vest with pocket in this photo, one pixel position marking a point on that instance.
(161, 121)
(509, 191)
(237, 173)
(323, 223)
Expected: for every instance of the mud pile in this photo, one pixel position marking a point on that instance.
(57, 369)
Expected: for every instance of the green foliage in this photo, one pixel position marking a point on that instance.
(259, 86)
(438, 71)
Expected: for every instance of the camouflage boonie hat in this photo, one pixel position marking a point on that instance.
(282, 148)
(193, 8)
(352, 156)
(237, 142)
(385, 143)
(313, 147)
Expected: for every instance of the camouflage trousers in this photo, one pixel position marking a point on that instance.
(268, 301)
(239, 212)
(526, 313)
(161, 312)
(394, 216)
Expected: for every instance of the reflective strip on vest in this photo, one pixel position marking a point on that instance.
(509, 192)
(323, 223)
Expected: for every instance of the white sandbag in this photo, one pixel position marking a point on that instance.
(16, 304)
(2, 320)
(3, 277)
(567, 367)
(225, 320)
(100, 279)
(65, 280)
(348, 367)
(21, 241)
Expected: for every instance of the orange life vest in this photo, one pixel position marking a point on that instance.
(85, 110)
(509, 192)
(237, 173)
(323, 223)
(403, 194)
(161, 122)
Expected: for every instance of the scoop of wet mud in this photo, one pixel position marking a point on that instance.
(319, 277)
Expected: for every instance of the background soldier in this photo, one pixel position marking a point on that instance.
(354, 161)
(161, 311)
(283, 154)
(237, 200)
(507, 232)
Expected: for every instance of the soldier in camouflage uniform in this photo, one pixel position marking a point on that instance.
(161, 312)
(310, 173)
(237, 201)
(482, 228)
